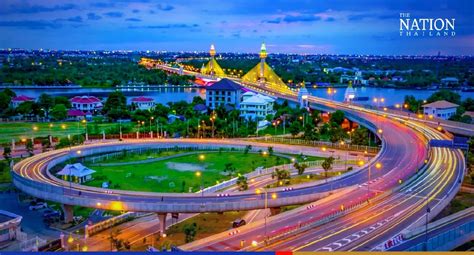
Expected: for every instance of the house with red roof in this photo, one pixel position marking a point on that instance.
(16, 101)
(77, 115)
(86, 103)
(143, 103)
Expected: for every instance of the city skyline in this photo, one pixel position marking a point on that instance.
(365, 27)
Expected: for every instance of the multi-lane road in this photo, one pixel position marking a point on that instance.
(403, 154)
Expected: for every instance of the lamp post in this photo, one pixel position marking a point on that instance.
(84, 121)
(199, 175)
(274, 196)
(213, 118)
(151, 132)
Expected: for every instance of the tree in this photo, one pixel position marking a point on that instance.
(46, 102)
(413, 104)
(116, 106)
(445, 94)
(30, 147)
(270, 150)
(300, 167)
(310, 132)
(327, 165)
(59, 112)
(7, 152)
(247, 149)
(190, 231)
(5, 100)
(281, 174)
(62, 100)
(360, 136)
(242, 183)
(295, 128)
(9, 92)
(337, 117)
(229, 169)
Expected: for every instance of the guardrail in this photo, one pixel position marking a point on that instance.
(90, 230)
(329, 145)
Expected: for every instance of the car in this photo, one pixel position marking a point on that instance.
(238, 223)
(49, 213)
(37, 206)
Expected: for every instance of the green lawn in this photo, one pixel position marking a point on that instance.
(207, 224)
(131, 157)
(19, 130)
(179, 174)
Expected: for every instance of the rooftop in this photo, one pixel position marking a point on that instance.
(85, 99)
(225, 84)
(441, 104)
(22, 98)
(141, 99)
(77, 170)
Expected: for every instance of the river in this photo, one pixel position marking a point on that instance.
(174, 94)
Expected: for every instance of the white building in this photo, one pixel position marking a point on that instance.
(450, 81)
(440, 109)
(222, 93)
(86, 103)
(143, 103)
(76, 172)
(349, 94)
(10, 228)
(256, 106)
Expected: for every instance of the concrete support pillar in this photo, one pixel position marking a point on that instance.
(138, 135)
(162, 219)
(68, 213)
(13, 145)
(275, 210)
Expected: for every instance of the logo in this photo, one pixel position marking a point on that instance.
(426, 27)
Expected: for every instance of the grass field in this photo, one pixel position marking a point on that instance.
(207, 224)
(19, 130)
(132, 157)
(179, 174)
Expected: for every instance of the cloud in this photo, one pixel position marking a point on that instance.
(31, 24)
(133, 19)
(273, 21)
(93, 16)
(165, 7)
(114, 14)
(330, 19)
(103, 4)
(166, 26)
(135, 11)
(77, 19)
(301, 18)
(31, 9)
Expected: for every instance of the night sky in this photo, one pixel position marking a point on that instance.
(334, 27)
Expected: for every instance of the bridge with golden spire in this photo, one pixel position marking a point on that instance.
(260, 77)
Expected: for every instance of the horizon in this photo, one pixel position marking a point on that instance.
(365, 27)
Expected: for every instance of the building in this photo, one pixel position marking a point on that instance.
(16, 101)
(200, 108)
(222, 93)
(143, 103)
(86, 103)
(76, 115)
(76, 172)
(10, 229)
(440, 109)
(450, 81)
(256, 106)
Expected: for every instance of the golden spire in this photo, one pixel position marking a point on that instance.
(263, 51)
(212, 51)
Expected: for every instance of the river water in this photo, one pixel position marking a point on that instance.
(174, 94)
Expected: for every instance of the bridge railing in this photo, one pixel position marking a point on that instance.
(321, 144)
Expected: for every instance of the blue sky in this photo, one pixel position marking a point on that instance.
(334, 27)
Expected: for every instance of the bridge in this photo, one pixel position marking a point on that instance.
(409, 174)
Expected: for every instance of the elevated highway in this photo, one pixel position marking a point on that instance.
(404, 152)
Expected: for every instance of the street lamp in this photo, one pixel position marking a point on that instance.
(84, 121)
(199, 175)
